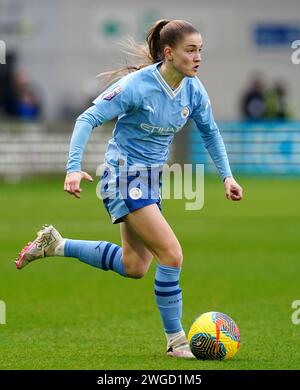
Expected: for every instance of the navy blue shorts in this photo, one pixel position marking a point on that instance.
(124, 190)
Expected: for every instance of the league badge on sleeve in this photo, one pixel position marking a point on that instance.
(111, 94)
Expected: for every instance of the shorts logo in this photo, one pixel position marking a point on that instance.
(112, 93)
(185, 112)
(135, 193)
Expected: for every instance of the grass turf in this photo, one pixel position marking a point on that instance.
(239, 258)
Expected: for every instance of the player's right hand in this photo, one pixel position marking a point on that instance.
(72, 182)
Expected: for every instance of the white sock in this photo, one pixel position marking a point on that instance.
(60, 249)
(173, 336)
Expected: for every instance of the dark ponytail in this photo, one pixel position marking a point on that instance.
(153, 40)
(163, 33)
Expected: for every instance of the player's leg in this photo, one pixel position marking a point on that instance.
(155, 233)
(132, 260)
(101, 254)
(136, 257)
(153, 230)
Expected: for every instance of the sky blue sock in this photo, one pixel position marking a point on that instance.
(100, 254)
(168, 297)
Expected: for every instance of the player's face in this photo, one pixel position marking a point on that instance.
(187, 55)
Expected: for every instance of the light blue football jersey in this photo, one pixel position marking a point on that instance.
(149, 113)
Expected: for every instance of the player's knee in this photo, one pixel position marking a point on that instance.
(135, 271)
(173, 257)
(137, 274)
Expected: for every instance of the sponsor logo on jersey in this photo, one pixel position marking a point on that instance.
(112, 94)
(159, 130)
(135, 193)
(185, 112)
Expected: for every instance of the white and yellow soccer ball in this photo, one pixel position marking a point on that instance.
(215, 336)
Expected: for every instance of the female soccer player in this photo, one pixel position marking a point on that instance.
(152, 103)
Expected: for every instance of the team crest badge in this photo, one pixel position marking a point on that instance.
(185, 112)
(112, 93)
(135, 193)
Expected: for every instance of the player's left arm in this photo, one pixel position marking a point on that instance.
(213, 141)
(233, 190)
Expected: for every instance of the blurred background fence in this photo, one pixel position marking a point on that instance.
(29, 149)
(254, 148)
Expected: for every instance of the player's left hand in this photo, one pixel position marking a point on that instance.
(233, 190)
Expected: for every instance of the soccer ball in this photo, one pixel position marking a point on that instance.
(214, 335)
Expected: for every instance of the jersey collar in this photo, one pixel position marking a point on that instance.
(172, 93)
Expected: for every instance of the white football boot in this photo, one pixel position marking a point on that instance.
(48, 238)
(179, 347)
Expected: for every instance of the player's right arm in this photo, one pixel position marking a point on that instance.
(108, 105)
(73, 180)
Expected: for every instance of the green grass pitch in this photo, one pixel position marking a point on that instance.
(239, 258)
